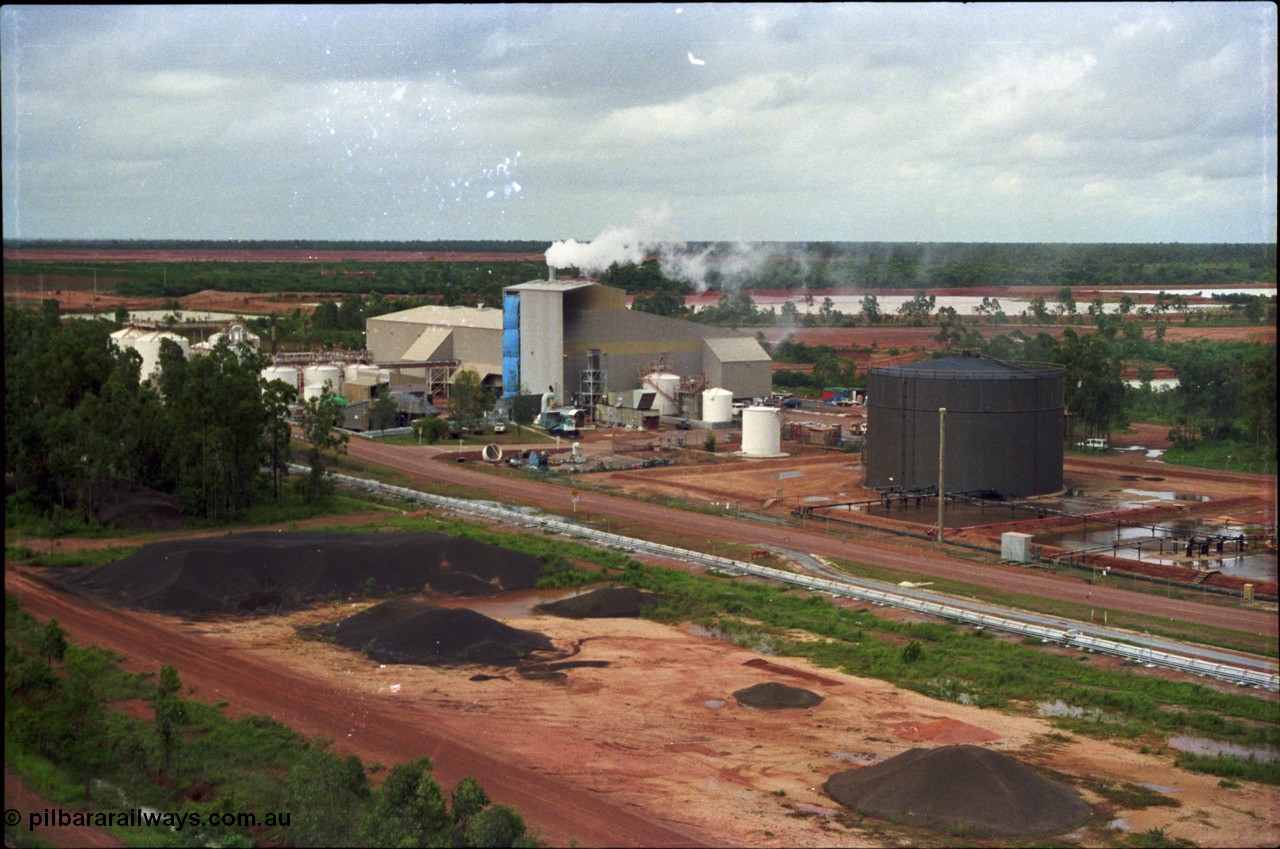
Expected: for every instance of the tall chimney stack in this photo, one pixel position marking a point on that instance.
(551, 273)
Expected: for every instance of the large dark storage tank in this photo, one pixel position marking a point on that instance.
(1004, 426)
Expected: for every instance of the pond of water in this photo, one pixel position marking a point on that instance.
(1205, 746)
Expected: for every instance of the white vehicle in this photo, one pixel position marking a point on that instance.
(1095, 444)
(500, 427)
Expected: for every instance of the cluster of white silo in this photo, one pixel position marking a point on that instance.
(762, 432)
(310, 380)
(147, 343)
(234, 335)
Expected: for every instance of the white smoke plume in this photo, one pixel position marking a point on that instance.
(654, 233)
(652, 230)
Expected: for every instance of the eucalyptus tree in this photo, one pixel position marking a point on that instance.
(320, 416)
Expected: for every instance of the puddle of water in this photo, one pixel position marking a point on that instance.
(510, 605)
(782, 476)
(1205, 746)
(1169, 548)
(1119, 824)
(1159, 788)
(815, 498)
(1167, 496)
(859, 758)
(714, 703)
(1061, 708)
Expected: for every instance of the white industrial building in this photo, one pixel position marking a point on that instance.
(470, 337)
(577, 341)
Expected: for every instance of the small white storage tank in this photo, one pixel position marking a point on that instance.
(762, 432)
(288, 374)
(315, 377)
(351, 371)
(717, 405)
(667, 385)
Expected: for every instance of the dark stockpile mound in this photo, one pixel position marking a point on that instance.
(985, 793)
(249, 571)
(773, 696)
(127, 505)
(403, 630)
(605, 603)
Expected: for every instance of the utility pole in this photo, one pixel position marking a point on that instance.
(942, 454)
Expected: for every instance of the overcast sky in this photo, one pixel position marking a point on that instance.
(1116, 122)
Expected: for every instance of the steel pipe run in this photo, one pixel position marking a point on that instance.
(862, 590)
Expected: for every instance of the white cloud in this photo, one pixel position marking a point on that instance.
(808, 121)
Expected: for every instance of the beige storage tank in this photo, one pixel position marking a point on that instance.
(287, 374)
(667, 385)
(762, 432)
(148, 345)
(315, 377)
(717, 405)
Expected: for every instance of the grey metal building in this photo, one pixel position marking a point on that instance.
(1004, 426)
(573, 338)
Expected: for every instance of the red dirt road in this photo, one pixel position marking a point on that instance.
(375, 730)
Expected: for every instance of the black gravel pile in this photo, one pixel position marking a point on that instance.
(402, 630)
(774, 696)
(252, 571)
(965, 790)
(605, 603)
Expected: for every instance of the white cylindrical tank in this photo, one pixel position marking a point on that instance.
(148, 345)
(288, 374)
(351, 371)
(125, 336)
(717, 405)
(315, 377)
(667, 385)
(762, 431)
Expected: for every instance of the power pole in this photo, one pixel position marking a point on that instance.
(942, 454)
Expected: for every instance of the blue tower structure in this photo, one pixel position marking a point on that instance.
(510, 344)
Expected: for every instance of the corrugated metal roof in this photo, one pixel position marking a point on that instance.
(425, 346)
(407, 403)
(739, 349)
(969, 366)
(550, 286)
(482, 317)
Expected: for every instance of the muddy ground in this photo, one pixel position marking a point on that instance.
(657, 733)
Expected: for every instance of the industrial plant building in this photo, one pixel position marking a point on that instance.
(576, 341)
(421, 338)
(1004, 427)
